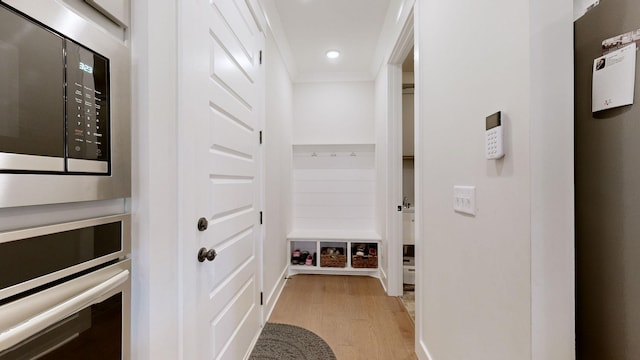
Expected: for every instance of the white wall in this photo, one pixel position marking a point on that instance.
(333, 113)
(552, 189)
(277, 147)
(155, 289)
(477, 299)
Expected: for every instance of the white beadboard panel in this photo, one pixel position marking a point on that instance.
(334, 174)
(333, 199)
(335, 186)
(309, 148)
(328, 212)
(332, 224)
(333, 161)
(306, 235)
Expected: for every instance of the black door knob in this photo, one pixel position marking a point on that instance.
(205, 254)
(203, 224)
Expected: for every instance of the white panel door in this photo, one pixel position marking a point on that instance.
(220, 108)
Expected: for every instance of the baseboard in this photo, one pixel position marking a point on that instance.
(253, 344)
(274, 295)
(271, 300)
(383, 280)
(422, 351)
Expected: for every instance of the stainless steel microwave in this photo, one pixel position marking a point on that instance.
(64, 106)
(54, 100)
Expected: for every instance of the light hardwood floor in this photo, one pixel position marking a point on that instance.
(351, 313)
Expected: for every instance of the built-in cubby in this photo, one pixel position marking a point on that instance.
(334, 210)
(334, 252)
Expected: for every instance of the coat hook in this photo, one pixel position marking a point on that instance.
(333, 155)
(353, 153)
(314, 154)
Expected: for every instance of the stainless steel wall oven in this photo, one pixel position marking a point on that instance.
(64, 106)
(65, 291)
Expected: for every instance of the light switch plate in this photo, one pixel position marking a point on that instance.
(464, 199)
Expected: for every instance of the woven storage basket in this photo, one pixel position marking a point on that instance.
(333, 257)
(367, 261)
(333, 260)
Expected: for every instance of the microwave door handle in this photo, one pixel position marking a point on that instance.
(59, 312)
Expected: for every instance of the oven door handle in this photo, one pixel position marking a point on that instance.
(59, 312)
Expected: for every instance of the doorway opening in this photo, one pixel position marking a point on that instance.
(408, 185)
(403, 224)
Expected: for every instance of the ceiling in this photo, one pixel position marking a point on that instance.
(311, 27)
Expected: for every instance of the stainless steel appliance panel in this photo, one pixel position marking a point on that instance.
(88, 317)
(34, 189)
(37, 256)
(87, 93)
(31, 92)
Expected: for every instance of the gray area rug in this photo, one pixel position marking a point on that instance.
(288, 342)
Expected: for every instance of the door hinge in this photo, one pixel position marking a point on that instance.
(260, 217)
(260, 137)
(260, 57)
(261, 302)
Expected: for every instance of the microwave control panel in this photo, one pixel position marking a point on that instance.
(87, 104)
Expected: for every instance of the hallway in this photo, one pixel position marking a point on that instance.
(351, 313)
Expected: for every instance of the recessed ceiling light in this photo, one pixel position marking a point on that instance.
(333, 54)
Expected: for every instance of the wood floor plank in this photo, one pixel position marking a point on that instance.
(351, 313)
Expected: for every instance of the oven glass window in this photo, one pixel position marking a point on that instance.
(26, 259)
(31, 88)
(93, 333)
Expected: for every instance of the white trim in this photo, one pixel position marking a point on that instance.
(405, 10)
(405, 42)
(424, 355)
(258, 14)
(421, 347)
(394, 234)
(272, 299)
(260, 19)
(384, 279)
(274, 26)
(261, 158)
(156, 288)
(552, 221)
(333, 235)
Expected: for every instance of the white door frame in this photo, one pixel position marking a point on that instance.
(403, 45)
(259, 17)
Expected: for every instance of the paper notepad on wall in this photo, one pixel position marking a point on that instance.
(614, 77)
